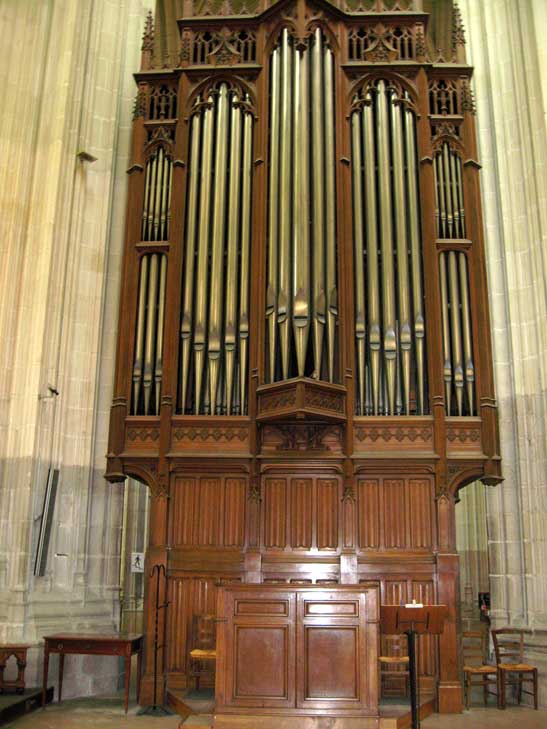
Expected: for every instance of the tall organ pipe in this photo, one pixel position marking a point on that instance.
(158, 368)
(456, 329)
(390, 344)
(273, 221)
(233, 241)
(150, 336)
(139, 339)
(373, 279)
(318, 248)
(447, 191)
(192, 208)
(148, 360)
(245, 260)
(404, 338)
(215, 315)
(301, 231)
(330, 195)
(283, 301)
(415, 258)
(447, 366)
(203, 253)
(217, 257)
(360, 325)
(466, 321)
(389, 314)
(301, 300)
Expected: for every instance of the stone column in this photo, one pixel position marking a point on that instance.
(67, 88)
(508, 49)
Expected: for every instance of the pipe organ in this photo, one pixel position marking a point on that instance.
(304, 369)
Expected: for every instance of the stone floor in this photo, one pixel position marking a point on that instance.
(107, 713)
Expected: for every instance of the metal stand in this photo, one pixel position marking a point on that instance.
(414, 686)
(157, 709)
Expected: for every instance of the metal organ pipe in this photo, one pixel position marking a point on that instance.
(273, 220)
(459, 370)
(447, 366)
(191, 226)
(158, 367)
(302, 291)
(245, 259)
(466, 323)
(216, 277)
(203, 255)
(139, 338)
(330, 197)
(360, 326)
(285, 198)
(148, 359)
(389, 313)
(415, 259)
(232, 262)
(318, 160)
(373, 279)
(456, 330)
(404, 338)
(301, 230)
(386, 232)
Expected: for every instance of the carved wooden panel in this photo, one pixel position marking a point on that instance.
(188, 596)
(301, 512)
(275, 512)
(208, 511)
(395, 513)
(257, 649)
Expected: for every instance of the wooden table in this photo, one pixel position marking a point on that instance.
(116, 644)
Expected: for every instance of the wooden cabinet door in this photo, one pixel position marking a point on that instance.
(260, 643)
(332, 668)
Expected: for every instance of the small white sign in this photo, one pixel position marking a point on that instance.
(137, 561)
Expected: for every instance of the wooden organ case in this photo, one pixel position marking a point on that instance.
(304, 368)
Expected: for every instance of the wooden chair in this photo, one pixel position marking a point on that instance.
(203, 653)
(474, 644)
(512, 671)
(394, 665)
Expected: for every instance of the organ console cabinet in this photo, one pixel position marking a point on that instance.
(294, 650)
(304, 368)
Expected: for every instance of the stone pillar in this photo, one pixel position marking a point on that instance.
(472, 545)
(508, 49)
(67, 88)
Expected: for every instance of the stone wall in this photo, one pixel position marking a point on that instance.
(66, 78)
(507, 44)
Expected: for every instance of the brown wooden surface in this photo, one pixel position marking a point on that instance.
(297, 650)
(301, 491)
(108, 644)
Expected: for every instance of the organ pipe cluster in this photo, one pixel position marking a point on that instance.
(449, 209)
(458, 366)
(389, 307)
(215, 313)
(148, 359)
(157, 197)
(302, 298)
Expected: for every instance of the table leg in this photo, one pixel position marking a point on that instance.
(139, 669)
(127, 678)
(46, 667)
(61, 669)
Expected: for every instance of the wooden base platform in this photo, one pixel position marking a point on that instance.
(197, 710)
(13, 705)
